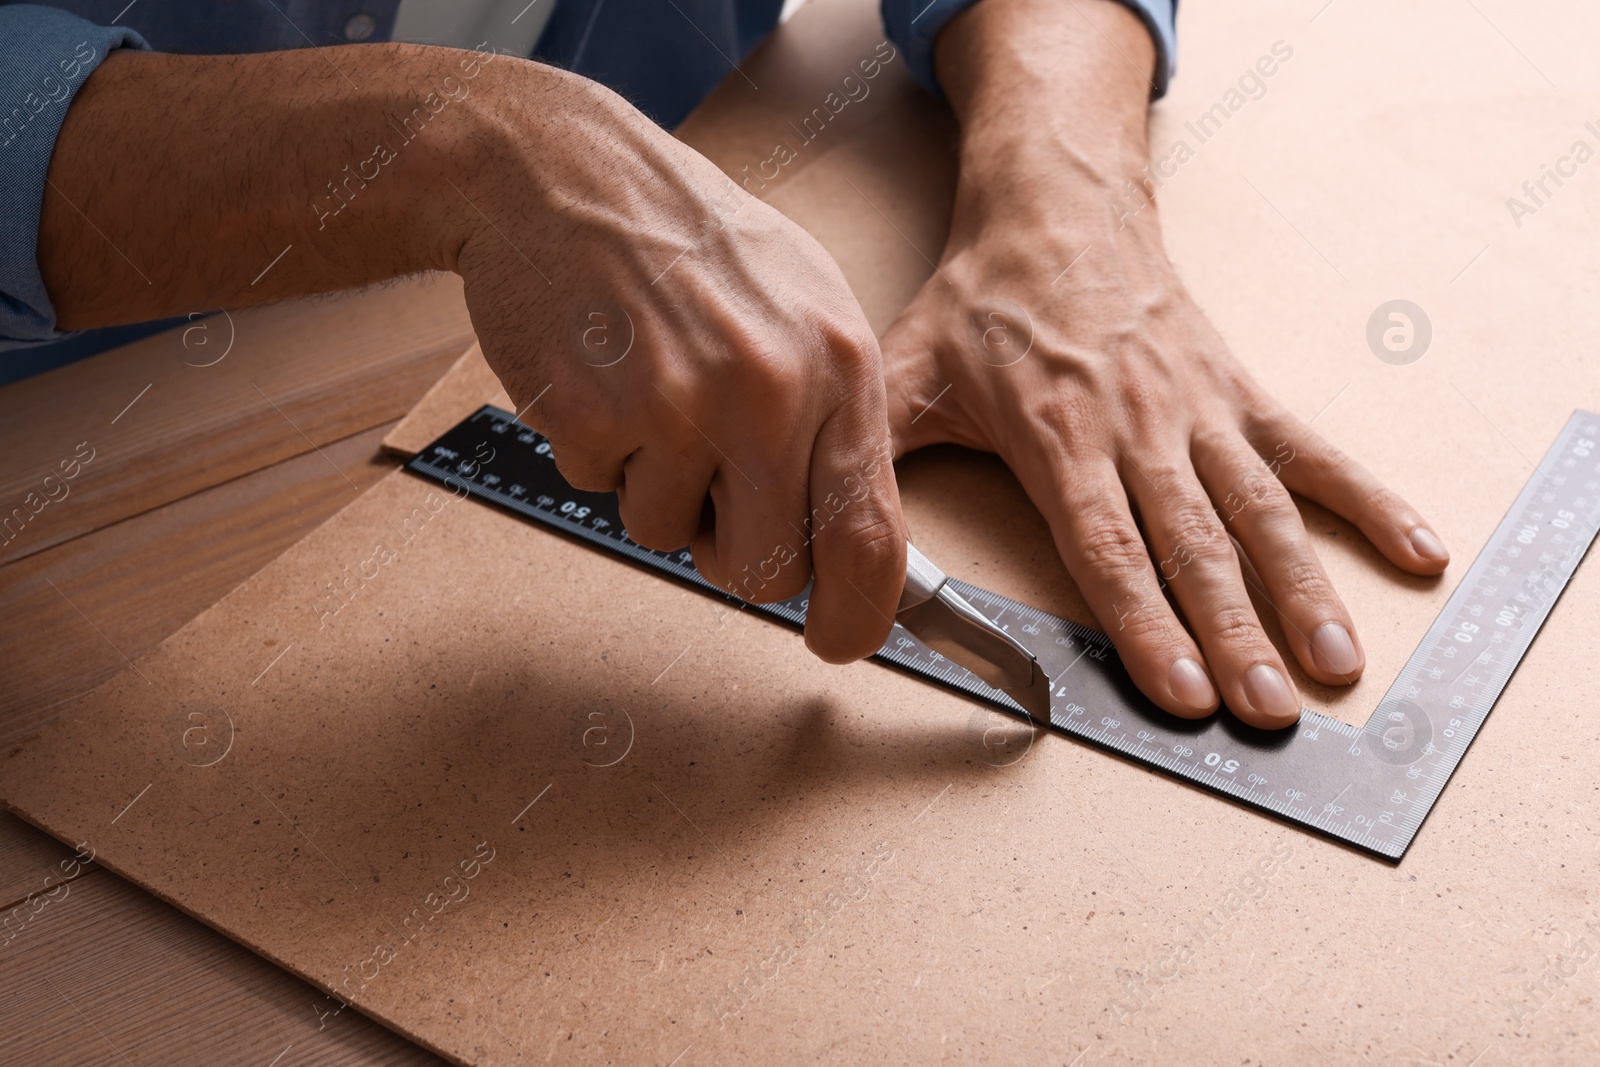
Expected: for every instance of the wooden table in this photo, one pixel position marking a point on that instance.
(203, 469)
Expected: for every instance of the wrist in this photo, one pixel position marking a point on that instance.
(558, 161)
(437, 124)
(1006, 65)
(445, 135)
(1053, 102)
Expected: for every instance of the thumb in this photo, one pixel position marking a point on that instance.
(923, 377)
(912, 384)
(858, 546)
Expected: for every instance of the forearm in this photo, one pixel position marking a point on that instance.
(1053, 100)
(675, 338)
(177, 180)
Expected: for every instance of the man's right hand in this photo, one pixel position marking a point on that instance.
(746, 413)
(682, 343)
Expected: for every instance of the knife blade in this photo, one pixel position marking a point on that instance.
(946, 622)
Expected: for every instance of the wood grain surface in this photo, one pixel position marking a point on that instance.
(30, 862)
(121, 433)
(143, 979)
(468, 384)
(108, 974)
(93, 604)
(134, 978)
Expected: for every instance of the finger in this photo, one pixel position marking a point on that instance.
(1095, 534)
(663, 496)
(857, 535)
(589, 471)
(589, 452)
(753, 547)
(748, 541)
(1318, 471)
(1196, 559)
(596, 469)
(1258, 511)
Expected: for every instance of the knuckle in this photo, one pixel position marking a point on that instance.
(585, 474)
(1263, 418)
(1171, 480)
(1304, 580)
(850, 351)
(1149, 624)
(1113, 547)
(1195, 527)
(875, 544)
(647, 530)
(1237, 627)
(1197, 536)
(856, 353)
(1145, 402)
(1266, 505)
(1145, 629)
(1393, 507)
(1273, 500)
(1214, 436)
(1062, 410)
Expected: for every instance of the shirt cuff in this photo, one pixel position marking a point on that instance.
(914, 24)
(45, 55)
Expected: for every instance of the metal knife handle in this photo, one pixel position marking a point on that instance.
(923, 579)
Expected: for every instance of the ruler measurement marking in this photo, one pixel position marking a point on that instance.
(1493, 615)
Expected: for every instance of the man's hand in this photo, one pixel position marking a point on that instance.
(685, 344)
(1059, 336)
(678, 340)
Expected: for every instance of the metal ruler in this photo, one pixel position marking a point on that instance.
(1370, 786)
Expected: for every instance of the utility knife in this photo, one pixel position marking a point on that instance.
(946, 622)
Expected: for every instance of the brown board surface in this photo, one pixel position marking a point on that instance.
(793, 861)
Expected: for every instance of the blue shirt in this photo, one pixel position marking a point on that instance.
(664, 55)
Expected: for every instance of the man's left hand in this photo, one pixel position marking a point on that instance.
(1057, 334)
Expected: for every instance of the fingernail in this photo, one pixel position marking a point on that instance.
(1189, 684)
(1269, 693)
(1427, 544)
(1333, 648)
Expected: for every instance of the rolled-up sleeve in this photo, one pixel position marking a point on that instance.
(45, 55)
(914, 24)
